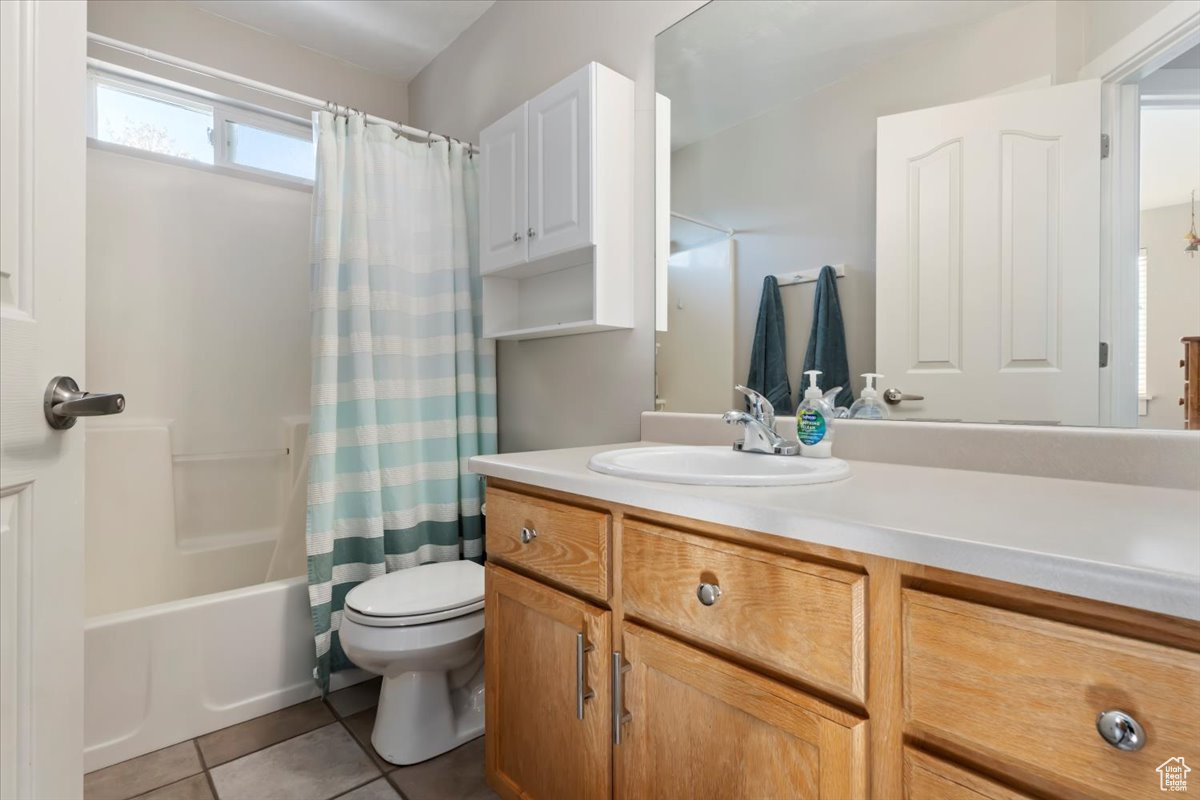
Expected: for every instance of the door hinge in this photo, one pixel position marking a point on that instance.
(1104, 354)
(1104, 145)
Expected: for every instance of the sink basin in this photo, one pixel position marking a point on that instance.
(716, 466)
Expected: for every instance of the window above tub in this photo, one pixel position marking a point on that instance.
(164, 121)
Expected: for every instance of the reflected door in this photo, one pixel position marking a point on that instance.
(988, 257)
(43, 167)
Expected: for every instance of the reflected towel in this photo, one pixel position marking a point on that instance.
(827, 339)
(768, 356)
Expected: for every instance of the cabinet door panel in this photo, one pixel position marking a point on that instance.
(537, 747)
(702, 727)
(560, 152)
(503, 184)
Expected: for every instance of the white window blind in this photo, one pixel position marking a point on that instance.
(1142, 324)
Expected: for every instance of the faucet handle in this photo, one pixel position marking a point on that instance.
(764, 412)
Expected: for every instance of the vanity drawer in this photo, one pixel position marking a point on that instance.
(803, 619)
(1026, 692)
(561, 542)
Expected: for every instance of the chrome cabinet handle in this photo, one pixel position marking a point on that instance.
(1120, 730)
(619, 715)
(532, 233)
(894, 396)
(708, 593)
(581, 692)
(516, 237)
(528, 535)
(64, 401)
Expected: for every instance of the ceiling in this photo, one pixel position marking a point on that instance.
(394, 38)
(735, 59)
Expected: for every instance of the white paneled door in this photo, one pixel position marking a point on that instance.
(988, 257)
(560, 171)
(42, 175)
(503, 184)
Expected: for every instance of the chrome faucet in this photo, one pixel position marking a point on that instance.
(760, 427)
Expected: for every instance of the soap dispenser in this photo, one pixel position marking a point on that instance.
(814, 421)
(868, 405)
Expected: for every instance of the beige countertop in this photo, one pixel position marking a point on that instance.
(1137, 546)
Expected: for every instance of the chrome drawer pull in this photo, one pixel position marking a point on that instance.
(1120, 730)
(619, 715)
(581, 693)
(708, 593)
(528, 535)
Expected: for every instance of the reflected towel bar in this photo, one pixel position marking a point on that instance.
(808, 275)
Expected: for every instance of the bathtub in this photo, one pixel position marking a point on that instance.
(159, 675)
(198, 614)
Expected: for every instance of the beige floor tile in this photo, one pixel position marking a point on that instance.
(375, 790)
(193, 788)
(317, 765)
(255, 734)
(457, 774)
(353, 699)
(142, 774)
(360, 726)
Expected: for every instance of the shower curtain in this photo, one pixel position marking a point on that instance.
(403, 388)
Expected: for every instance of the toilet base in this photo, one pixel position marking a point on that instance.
(420, 716)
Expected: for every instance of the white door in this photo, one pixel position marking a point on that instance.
(560, 174)
(988, 257)
(695, 353)
(503, 184)
(43, 168)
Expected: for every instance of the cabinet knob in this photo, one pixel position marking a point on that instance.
(532, 233)
(516, 237)
(708, 593)
(528, 535)
(1120, 730)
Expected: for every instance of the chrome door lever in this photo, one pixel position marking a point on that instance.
(894, 396)
(64, 402)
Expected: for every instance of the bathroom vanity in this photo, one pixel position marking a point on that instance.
(656, 641)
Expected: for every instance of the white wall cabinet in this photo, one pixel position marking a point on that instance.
(556, 210)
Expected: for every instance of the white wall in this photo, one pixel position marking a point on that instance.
(570, 390)
(187, 32)
(1172, 310)
(798, 183)
(1107, 21)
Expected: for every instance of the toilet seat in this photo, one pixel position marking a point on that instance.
(417, 596)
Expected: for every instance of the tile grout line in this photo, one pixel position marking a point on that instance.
(371, 756)
(212, 786)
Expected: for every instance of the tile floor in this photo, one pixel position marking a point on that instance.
(316, 750)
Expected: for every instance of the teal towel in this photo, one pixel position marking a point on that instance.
(827, 340)
(768, 356)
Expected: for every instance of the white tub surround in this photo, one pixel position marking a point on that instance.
(1136, 546)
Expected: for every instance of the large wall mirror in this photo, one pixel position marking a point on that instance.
(990, 255)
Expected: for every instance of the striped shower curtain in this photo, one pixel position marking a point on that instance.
(403, 388)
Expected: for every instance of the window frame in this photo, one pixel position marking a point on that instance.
(224, 112)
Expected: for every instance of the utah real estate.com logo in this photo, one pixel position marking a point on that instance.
(1172, 775)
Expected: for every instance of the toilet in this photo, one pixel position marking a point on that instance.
(422, 630)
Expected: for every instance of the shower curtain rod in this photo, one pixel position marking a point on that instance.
(259, 86)
(703, 224)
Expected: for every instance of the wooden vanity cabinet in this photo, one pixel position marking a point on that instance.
(548, 707)
(742, 665)
(701, 727)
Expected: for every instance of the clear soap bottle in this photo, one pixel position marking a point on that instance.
(869, 405)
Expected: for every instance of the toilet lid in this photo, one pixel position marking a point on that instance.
(421, 590)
